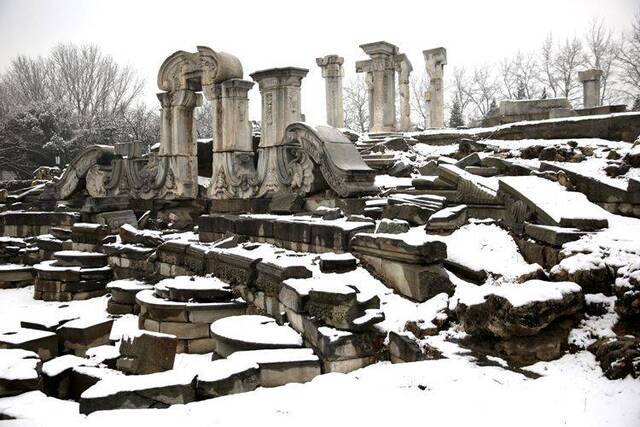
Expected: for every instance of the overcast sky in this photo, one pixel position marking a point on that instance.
(267, 34)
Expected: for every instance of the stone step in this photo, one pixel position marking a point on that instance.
(44, 343)
(282, 366)
(80, 259)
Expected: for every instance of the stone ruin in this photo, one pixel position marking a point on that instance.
(290, 256)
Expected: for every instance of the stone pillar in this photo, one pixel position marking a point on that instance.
(332, 72)
(176, 131)
(435, 60)
(230, 112)
(590, 87)
(381, 71)
(177, 173)
(280, 90)
(404, 69)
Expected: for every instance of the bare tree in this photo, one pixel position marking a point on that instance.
(203, 119)
(356, 105)
(519, 76)
(25, 81)
(92, 82)
(142, 124)
(602, 51)
(482, 91)
(629, 57)
(419, 107)
(567, 62)
(548, 77)
(460, 86)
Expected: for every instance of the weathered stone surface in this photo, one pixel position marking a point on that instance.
(554, 236)
(159, 390)
(43, 343)
(130, 234)
(114, 220)
(337, 263)
(15, 275)
(147, 353)
(79, 335)
(80, 259)
(448, 219)
(19, 371)
(83, 232)
(252, 332)
(404, 348)
(587, 270)
(411, 213)
(224, 377)
(517, 310)
(282, 366)
(397, 248)
(618, 356)
(538, 200)
(627, 291)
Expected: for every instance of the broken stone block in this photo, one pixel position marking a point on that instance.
(15, 276)
(472, 159)
(43, 343)
(272, 272)
(159, 390)
(398, 248)
(404, 348)
(554, 236)
(486, 171)
(448, 219)
(511, 310)
(337, 263)
(130, 234)
(107, 355)
(251, 332)
(88, 233)
(282, 366)
(431, 182)
(77, 336)
(587, 270)
(392, 226)
(618, 356)
(537, 200)
(192, 288)
(123, 295)
(115, 219)
(56, 374)
(224, 377)
(147, 352)
(80, 259)
(411, 213)
(19, 371)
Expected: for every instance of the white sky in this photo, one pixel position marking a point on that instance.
(267, 34)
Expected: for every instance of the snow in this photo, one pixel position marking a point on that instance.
(487, 247)
(517, 294)
(224, 368)
(15, 267)
(86, 321)
(104, 352)
(114, 384)
(388, 181)
(60, 364)
(128, 285)
(255, 329)
(18, 364)
(21, 335)
(193, 282)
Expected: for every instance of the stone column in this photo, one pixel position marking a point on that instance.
(280, 90)
(435, 60)
(381, 70)
(230, 112)
(332, 72)
(178, 153)
(590, 87)
(404, 68)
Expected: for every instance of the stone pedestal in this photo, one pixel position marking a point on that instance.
(332, 73)
(435, 60)
(280, 90)
(380, 71)
(590, 87)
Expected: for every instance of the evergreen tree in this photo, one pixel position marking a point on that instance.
(455, 119)
(494, 106)
(636, 104)
(544, 93)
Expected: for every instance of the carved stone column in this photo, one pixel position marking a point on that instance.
(590, 87)
(382, 101)
(332, 72)
(280, 90)
(177, 156)
(435, 60)
(404, 69)
(232, 169)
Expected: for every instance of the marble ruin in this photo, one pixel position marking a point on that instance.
(266, 257)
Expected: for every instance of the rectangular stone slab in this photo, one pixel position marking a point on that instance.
(552, 204)
(555, 236)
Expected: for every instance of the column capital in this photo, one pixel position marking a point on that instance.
(180, 98)
(276, 77)
(589, 75)
(236, 88)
